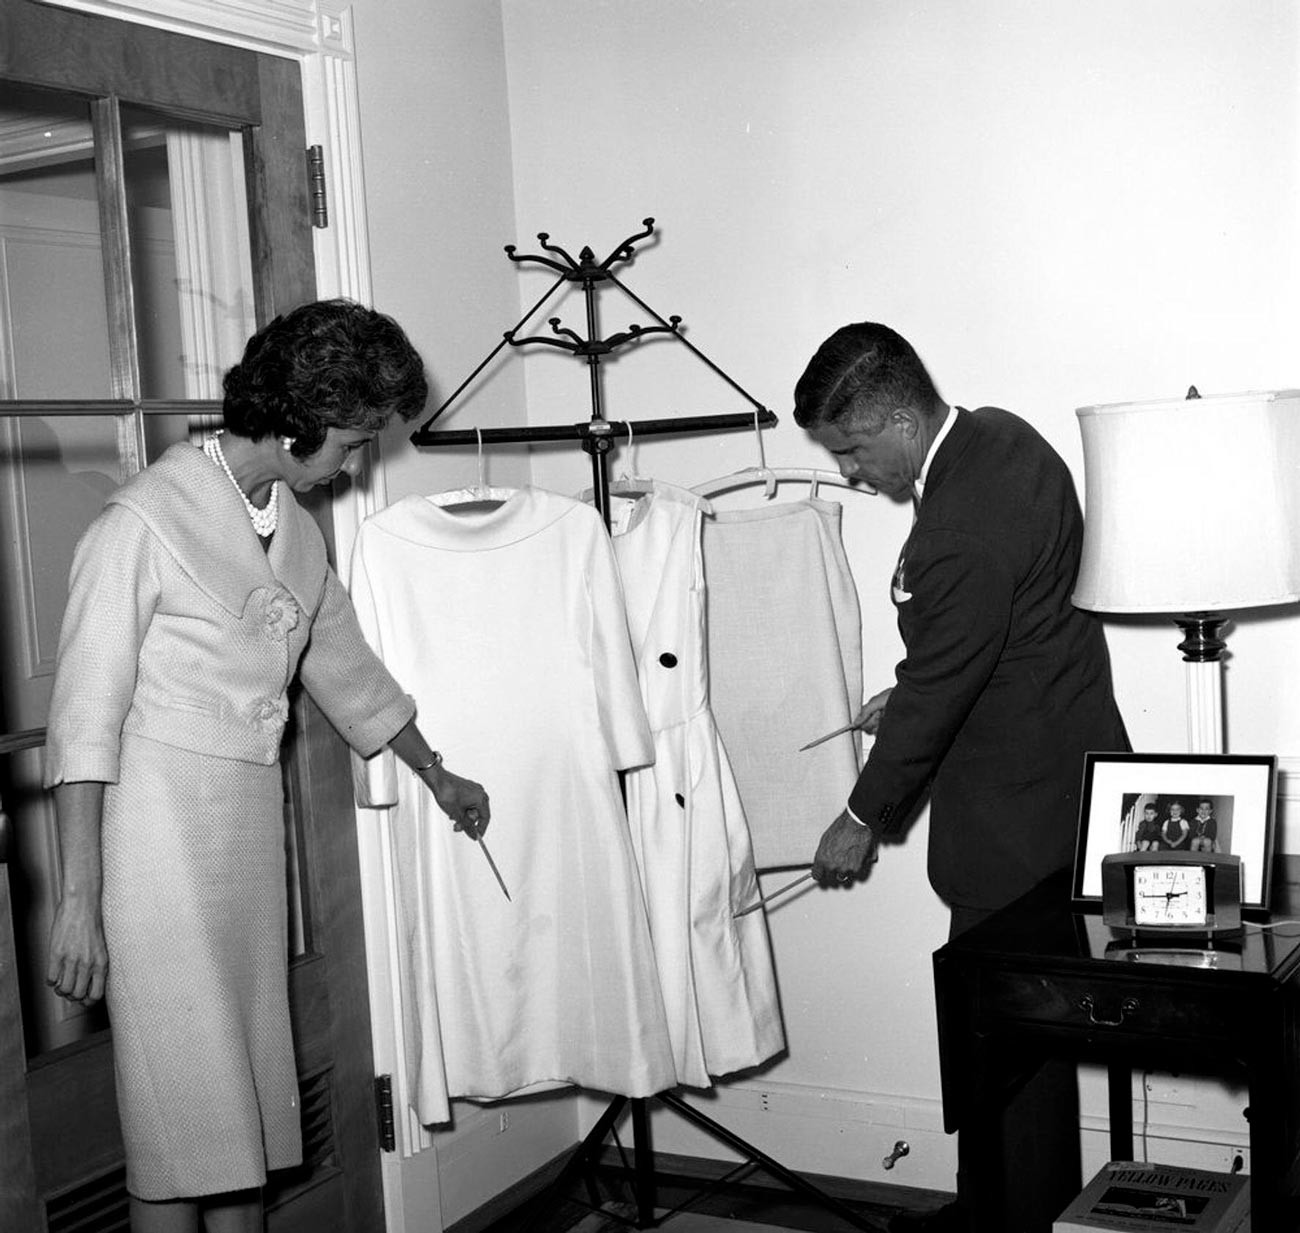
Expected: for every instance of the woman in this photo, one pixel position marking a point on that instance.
(194, 598)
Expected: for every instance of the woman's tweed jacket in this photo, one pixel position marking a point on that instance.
(179, 627)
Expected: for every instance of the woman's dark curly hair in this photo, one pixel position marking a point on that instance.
(328, 364)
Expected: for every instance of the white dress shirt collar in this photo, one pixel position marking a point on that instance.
(949, 421)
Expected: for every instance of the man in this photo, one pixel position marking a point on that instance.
(1004, 685)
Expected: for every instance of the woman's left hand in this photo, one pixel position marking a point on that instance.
(462, 800)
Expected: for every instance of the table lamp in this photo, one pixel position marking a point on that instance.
(1192, 508)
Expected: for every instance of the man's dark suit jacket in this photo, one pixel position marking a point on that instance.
(1005, 684)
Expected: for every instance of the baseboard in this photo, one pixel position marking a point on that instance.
(834, 1131)
(675, 1173)
(673, 1169)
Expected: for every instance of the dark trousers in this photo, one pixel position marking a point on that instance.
(1040, 1170)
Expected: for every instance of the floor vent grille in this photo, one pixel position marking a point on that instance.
(96, 1206)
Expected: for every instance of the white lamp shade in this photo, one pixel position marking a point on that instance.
(1191, 505)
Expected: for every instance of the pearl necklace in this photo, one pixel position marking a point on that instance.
(264, 520)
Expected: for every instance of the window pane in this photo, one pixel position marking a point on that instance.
(191, 265)
(54, 340)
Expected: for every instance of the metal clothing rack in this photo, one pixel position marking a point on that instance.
(597, 437)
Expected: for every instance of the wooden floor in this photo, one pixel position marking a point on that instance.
(689, 1197)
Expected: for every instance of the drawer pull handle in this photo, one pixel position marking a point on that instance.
(1127, 1007)
(901, 1148)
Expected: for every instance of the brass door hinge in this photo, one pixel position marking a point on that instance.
(384, 1111)
(320, 212)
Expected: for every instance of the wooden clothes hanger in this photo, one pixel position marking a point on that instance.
(478, 498)
(771, 477)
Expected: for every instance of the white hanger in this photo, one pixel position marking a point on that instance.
(629, 484)
(478, 498)
(781, 475)
(762, 471)
(769, 478)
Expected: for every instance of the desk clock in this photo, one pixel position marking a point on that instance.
(1194, 894)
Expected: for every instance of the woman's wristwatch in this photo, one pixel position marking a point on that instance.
(435, 759)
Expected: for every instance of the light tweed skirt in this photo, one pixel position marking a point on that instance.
(196, 925)
(785, 666)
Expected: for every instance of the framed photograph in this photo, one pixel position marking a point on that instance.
(1177, 803)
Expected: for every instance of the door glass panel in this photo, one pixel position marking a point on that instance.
(191, 263)
(54, 340)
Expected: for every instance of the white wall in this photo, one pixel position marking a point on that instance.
(1060, 204)
(439, 200)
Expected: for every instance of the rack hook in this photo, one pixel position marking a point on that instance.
(625, 250)
(544, 238)
(482, 460)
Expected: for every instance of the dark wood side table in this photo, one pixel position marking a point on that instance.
(1038, 980)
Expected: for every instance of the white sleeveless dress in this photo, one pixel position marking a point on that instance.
(688, 825)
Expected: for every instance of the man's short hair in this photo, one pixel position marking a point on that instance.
(864, 371)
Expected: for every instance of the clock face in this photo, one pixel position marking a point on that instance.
(1170, 895)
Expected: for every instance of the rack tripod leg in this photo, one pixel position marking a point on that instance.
(769, 1164)
(643, 1169)
(580, 1158)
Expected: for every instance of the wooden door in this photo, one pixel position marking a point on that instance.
(153, 209)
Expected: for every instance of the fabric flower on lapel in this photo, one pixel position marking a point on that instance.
(280, 613)
(271, 714)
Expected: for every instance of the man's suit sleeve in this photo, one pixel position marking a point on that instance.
(954, 612)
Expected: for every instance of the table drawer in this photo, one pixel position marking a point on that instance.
(1149, 1007)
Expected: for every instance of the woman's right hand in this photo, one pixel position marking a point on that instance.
(462, 800)
(78, 963)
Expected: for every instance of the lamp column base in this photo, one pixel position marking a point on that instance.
(1202, 649)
